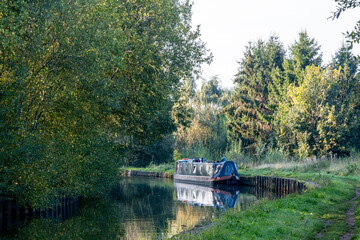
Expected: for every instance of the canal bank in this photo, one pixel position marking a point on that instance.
(275, 184)
(320, 212)
(138, 173)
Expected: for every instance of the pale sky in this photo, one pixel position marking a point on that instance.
(229, 25)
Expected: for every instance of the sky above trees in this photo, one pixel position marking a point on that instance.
(228, 26)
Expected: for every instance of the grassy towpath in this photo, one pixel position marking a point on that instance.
(163, 168)
(350, 217)
(321, 212)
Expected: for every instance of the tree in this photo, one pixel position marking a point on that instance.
(320, 117)
(305, 52)
(83, 81)
(346, 98)
(182, 109)
(342, 6)
(250, 112)
(344, 58)
(51, 126)
(206, 133)
(210, 91)
(162, 51)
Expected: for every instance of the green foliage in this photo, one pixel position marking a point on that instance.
(318, 118)
(276, 155)
(342, 6)
(182, 110)
(86, 86)
(206, 135)
(210, 92)
(177, 155)
(52, 137)
(344, 58)
(201, 151)
(250, 112)
(305, 52)
(291, 104)
(163, 167)
(158, 152)
(98, 220)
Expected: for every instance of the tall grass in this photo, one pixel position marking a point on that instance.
(279, 159)
(271, 156)
(341, 166)
(272, 159)
(200, 151)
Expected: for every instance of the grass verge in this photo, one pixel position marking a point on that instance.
(165, 167)
(319, 212)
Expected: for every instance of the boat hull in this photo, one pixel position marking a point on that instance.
(205, 180)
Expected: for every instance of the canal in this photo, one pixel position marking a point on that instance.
(145, 208)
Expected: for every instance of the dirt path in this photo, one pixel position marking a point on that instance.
(350, 220)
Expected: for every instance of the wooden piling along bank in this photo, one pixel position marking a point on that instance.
(12, 215)
(279, 186)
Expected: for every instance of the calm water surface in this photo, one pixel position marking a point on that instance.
(144, 208)
(156, 208)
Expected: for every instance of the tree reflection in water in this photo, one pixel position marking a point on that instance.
(96, 220)
(143, 208)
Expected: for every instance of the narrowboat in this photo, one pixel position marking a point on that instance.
(199, 171)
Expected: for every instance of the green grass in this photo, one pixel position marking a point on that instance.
(165, 167)
(296, 216)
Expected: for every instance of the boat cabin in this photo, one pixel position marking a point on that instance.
(197, 170)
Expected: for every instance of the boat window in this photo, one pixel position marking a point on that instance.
(194, 169)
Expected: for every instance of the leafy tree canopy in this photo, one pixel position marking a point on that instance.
(342, 6)
(82, 83)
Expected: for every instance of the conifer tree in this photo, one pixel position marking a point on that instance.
(250, 113)
(305, 52)
(210, 91)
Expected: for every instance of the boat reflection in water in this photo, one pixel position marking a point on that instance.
(221, 197)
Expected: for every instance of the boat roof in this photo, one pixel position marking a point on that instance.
(198, 160)
(191, 160)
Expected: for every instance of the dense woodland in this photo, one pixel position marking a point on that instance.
(87, 86)
(286, 103)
